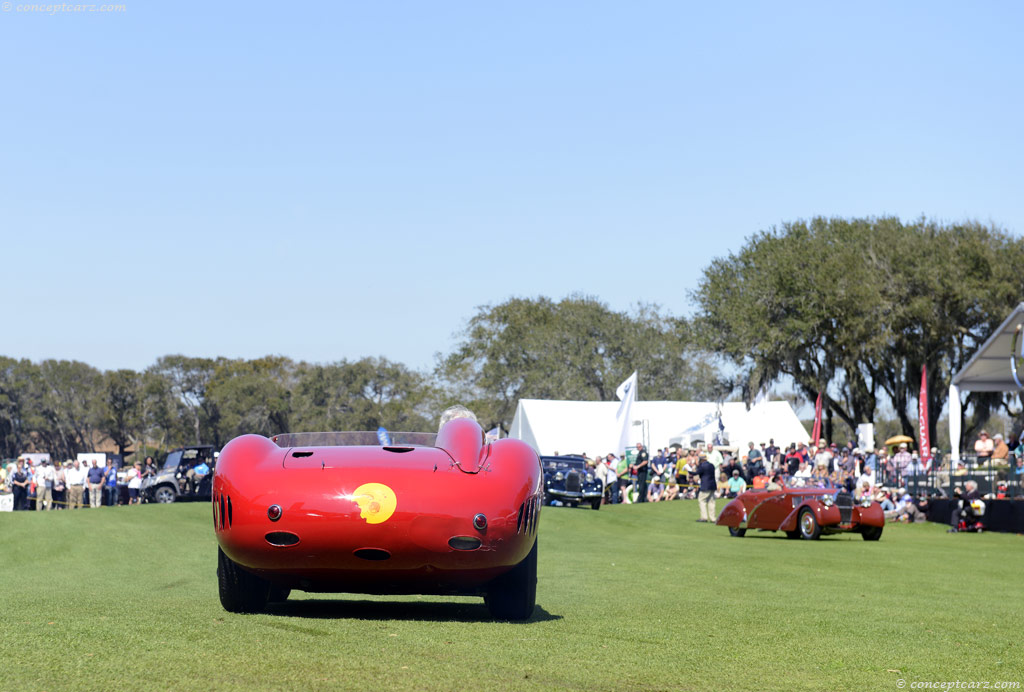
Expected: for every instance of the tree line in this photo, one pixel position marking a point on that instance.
(852, 308)
(523, 348)
(848, 307)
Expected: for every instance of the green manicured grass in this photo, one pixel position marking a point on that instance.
(635, 597)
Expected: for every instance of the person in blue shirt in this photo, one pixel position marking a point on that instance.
(95, 477)
(110, 484)
(196, 475)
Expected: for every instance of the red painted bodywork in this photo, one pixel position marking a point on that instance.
(438, 492)
(778, 510)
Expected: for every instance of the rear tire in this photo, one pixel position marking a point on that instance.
(871, 533)
(596, 504)
(513, 595)
(278, 594)
(737, 533)
(240, 591)
(808, 525)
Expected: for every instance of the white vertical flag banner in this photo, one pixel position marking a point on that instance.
(624, 416)
(954, 424)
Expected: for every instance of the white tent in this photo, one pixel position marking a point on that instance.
(988, 370)
(589, 426)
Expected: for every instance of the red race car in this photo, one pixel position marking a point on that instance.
(806, 512)
(412, 513)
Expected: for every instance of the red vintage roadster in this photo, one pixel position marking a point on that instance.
(344, 512)
(806, 512)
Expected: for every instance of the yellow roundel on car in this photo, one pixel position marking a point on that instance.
(377, 502)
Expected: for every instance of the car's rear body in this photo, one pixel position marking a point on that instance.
(395, 518)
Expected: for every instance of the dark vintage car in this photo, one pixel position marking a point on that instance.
(172, 482)
(415, 513)
(806, 512)
(568, 480)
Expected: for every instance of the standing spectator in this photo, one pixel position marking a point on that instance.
(44, 486)
(623, 470)
(641, 466)
(75, 478)
(792, 461)
(658, 464)
(901, 463)
(110, 484)
(611, 479)
(95, 478)
(19, 485)
(983, 447)
(135, 482)
(823, 457)
(708, 485)
(149, 470)
(714, 458)
(754, 456)
(60, 493)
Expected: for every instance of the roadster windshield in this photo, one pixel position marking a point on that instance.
(355, 439)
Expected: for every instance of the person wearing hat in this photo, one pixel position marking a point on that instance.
(708, 485)
(1000, 450)
(44, 486)
(983, 447)
(901, 462)
(736, 484)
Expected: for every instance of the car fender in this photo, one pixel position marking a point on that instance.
(871, 516)
(790, 522)
(734, 515)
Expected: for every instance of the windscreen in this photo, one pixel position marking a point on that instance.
(353, 439)
(172, 461)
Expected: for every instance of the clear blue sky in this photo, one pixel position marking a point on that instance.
(338, 180)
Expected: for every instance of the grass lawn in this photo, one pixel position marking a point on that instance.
(632, 597)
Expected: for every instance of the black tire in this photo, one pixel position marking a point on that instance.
(737, 533)
(596, 504)
(871, 533)
(807, 525)
(279, 594)
(240, 591)
(513, 595)
(164, 494)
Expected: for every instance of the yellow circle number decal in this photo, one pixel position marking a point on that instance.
(376, 501)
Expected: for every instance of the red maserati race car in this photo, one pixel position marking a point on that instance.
(805, 512)
(409, 513)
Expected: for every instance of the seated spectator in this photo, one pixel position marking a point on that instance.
(883, 498)
(736, 484)
(775, 483)
(671, 490)
(867, 478)
(655, 489)
(1000, 451)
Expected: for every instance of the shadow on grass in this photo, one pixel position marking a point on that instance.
(331, 609)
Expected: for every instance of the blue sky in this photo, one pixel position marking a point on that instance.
(338, 180)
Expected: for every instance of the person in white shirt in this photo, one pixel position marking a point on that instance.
(134, 483)
(44, 486)
(75, 479)
(867, 478)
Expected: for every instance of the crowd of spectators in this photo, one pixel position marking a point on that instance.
(676, 472)
(73, 485)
